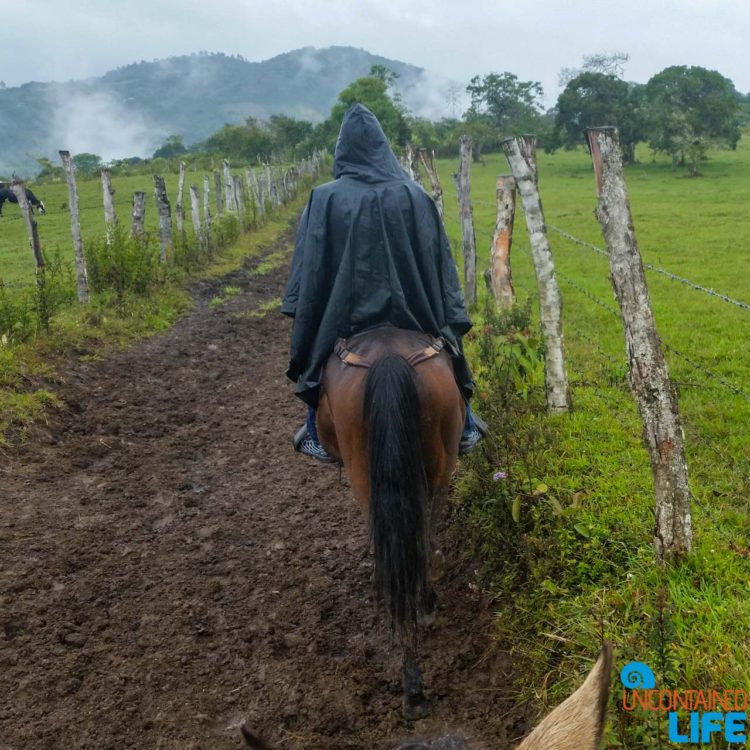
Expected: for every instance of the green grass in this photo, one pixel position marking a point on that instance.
(579, 562)
(28, 361)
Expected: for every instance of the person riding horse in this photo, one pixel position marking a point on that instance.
(6, 194)
(371, 251)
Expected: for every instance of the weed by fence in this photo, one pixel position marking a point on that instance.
(122, 263)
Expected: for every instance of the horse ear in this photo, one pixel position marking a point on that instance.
(578, 722)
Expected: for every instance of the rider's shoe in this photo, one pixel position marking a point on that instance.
(476, 429)
(303, 443)
(469, 440)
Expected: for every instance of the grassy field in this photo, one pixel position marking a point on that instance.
(154, 296)
(573, 560)
(16, 262)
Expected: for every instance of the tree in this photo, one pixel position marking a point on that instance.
(593, 99)
(288, 133)
(88, 164)
(512, 106)
(691, 109)
(608, 64)
(172, 147)
(250, 141)
(385, 74)
(373, 93)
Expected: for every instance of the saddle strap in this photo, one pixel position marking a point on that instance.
(355, 360)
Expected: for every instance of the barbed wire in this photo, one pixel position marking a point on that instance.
(620, 364)
(706, 371)
(656, 269)
(604, 305)
(696, 365)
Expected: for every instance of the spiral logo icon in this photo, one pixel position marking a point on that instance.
(637, 675)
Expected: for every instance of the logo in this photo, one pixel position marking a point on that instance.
(706, 712)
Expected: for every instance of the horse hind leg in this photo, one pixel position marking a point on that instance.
(415, 703)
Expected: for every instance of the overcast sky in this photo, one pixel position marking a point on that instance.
(58, 40)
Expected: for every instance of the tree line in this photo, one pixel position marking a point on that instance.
(681, 111)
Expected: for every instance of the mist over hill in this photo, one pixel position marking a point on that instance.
(129, 111)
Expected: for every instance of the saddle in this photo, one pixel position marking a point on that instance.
(346, 350)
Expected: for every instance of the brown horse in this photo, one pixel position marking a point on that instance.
(391, 412)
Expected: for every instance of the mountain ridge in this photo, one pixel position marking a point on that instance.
(129, 111)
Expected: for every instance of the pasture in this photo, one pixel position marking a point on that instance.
(578, 562)
(150, 593)
(16, 262)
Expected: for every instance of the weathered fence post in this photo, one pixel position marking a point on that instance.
(82, 278)
(463, 187)
(261, 197)
(219, 194)
(19, 190)
(178, 209)
(108, 194)
(499, 279)
(252, 190)
(271, 184)
(238, 197)
(138, 214)
(411, 163)
(649, 377)
(228, 188)
(207, 211)
(428, 162)
(195, 210)
(166, 243)
(521, 155)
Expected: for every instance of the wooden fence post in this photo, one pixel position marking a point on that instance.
(498, 276)
(271, 183)
(166, 242)
(179, 209)
(219, 195)
(207, 211)
(411, 162)
(649, 377)
(521, 155)
(19, 190)
(138, 214)
(82, 278)
(252, 190)
(428, 162)
(195, 210)
(463, 186)
(228, 188)
(259, 181)
(108, 194)
(239, 198)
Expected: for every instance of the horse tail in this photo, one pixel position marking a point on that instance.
(399, 514)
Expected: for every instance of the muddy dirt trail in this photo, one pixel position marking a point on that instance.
(170, 568)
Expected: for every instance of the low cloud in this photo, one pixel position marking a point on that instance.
(97, 123)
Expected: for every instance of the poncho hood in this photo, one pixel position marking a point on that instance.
(362, 150)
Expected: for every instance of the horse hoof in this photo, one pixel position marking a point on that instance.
(416, 707)
(427, 619)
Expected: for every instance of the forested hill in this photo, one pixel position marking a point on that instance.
(130, 110)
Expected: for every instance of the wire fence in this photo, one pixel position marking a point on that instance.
(673, 276)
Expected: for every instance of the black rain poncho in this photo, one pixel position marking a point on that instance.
(371, 250)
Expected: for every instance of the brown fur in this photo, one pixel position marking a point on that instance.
(578, 722)
(340, 411)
